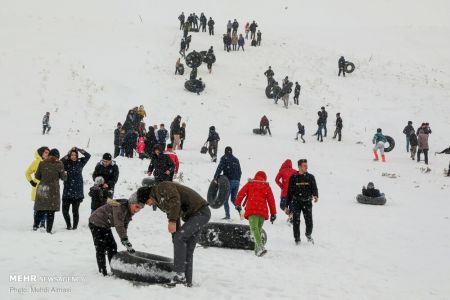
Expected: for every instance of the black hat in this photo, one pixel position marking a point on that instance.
(212, 128)
(41, 150)
(107, 156)
(338, 114)
(54, 152)
(119, 124)
(323, 107)
(143, 193)
(379, 130)
(409, 122)
(228, 150)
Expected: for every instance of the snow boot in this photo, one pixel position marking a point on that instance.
(376, 155)
(297, 242)
(179, 278)
(383, 158)
(310, 239)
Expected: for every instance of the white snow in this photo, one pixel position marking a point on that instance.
(88, 62)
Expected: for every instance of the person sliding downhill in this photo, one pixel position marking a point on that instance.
(378, 140)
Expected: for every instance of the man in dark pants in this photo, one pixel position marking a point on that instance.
(407, 132)
(179, 202)
(117, 140)
(302, 190)
(341, 65)
(338, 131)
(211, 26)
(181, 18)
(46, 123)
(324, 120)
(296, 92)
(231, 169)
(264, 124)
(213, 140)
(109, 171)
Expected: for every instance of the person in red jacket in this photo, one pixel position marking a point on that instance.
(174, 157)
(258, 195)
(282, 180)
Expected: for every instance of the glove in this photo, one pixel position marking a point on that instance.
(273, 218)
(238, 208)
(33, 183)
(128, 245)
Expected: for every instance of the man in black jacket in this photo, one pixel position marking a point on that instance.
(129, 143)
(341, 65)
(302, 190)
(161, 165)
(296, 92)
(117, 140)
(269, 74)
(324, 120)
(339, 125)
(213, 140)
(107, 169)
(407, 132)
(211, 26)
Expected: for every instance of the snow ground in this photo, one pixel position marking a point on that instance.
(88, 63)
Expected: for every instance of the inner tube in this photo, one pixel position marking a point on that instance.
(225, 235)
(371, 200)
(259, 131)
(194, 59)
(349, 67)
(142, 267)
(272, 90)
(218, 192)
(193, 85)
(391, 144)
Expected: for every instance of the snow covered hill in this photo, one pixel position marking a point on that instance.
(88, 62)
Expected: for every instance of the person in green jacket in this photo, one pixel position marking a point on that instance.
(179, 203)
(378, 140)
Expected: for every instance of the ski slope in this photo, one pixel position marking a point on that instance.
(89, 62)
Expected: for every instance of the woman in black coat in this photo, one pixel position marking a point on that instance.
(150, 141)
(73, 187)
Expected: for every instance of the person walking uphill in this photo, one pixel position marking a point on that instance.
(179, 202)
(341, 65)
(40, 155)
(73, 193)
(407, 132)
(115, 213)
(108, 169)
(282, 180)
(213, 140)
(378, 140)
(231, 168)
(302, 190)
(175, 132)
(46, 123)
(48, 200)
(258, 195)
(339, 126)
(423, 146)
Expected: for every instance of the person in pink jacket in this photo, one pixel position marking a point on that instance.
(140, 147)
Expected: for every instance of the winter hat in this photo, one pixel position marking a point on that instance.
(119, 124)
(370, 185)
(41, 150)
(169, 146)
(379, 130)
(212, 128)
(338, 114)
(409, 122)
(322, 108)
(54, 152)
(134, 200)
(142, 194)
(107, 156)
(99, 180)
(228, 150)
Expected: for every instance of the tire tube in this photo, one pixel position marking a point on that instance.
(391, 143)
(218, 192)
(191, 85)
(272, 90)
(349, 67)
(258, 131)
(371, 200)
(142, 267)
(194, 59)
(225, 235)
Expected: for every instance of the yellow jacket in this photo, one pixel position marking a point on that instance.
(141, 112)
(32, 170)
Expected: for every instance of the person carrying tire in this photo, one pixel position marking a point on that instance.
(379, 140)
(213, 143)
(282, 180)
(257, 195)
(179, 202)
(341, 65)
(231, 168)
(115, 213)
(339, 126)
(73, 193)
(302, 190)
(301, 131)
(264, 125)
(269, 75)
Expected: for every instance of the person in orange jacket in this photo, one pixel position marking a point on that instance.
(282, 180)
(174, 157)
(258, 202)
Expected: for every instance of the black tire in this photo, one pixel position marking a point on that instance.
(391, 144)
(224, 235)
(371, 200)
(258, 131)
(218, 192)
(272, 90)
(349, 67)
(191, 85)
(194, 59)
(142, 267)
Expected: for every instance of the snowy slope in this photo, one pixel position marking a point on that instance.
(88, 63)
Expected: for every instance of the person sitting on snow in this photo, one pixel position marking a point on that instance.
(371, 191)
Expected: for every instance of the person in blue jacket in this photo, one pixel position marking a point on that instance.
(231, 168)
(73, 193)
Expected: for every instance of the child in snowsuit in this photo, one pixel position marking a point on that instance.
(140, 147)
(99, 195)
(378, 140)
(258, 201)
